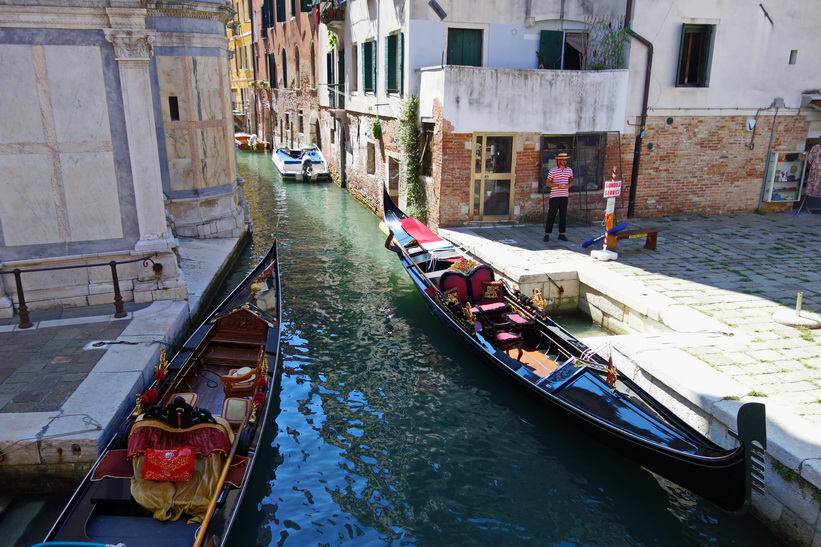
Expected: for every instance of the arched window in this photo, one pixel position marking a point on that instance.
(312, 76)
(272, 71)
(284, 69)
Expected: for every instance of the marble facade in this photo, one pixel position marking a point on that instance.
(96, 164)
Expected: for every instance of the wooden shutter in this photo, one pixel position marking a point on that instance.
(551, 46)
(400, 61)
(464, 47)
(306, 5)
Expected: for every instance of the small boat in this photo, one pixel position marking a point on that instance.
(248, 141)
(512, 334)
(177, 470)
(306, 163)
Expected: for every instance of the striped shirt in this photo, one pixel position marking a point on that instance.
(560, 175)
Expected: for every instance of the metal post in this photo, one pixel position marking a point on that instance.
(22, 309)
(119, 308)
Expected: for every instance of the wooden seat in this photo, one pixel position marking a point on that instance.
(242, 382)
(650, 236)
(518, 323)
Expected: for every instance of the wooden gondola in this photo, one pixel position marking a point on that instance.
(176, 472)
(512, 334)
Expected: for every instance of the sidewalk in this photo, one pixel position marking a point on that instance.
(67, 382)
(724, 289)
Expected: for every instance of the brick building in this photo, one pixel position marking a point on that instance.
(687, 102)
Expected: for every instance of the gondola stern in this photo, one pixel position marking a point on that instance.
(751, 421)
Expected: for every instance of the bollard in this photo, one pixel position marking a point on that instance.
(22, 309)
(798, 301)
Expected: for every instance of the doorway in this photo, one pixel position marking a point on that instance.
(493, 176)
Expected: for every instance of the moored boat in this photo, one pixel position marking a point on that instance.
(512, 334)
(248, 141)
(306, 163)
(177, 471)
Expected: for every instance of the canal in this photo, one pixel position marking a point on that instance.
(387, 432)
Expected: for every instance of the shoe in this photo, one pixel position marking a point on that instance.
(546, 237)
(562, 238)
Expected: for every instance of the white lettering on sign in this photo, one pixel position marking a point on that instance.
(612, 188)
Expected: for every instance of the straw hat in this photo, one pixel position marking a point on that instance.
(562, 156)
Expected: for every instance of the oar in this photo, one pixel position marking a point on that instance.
(213, 505)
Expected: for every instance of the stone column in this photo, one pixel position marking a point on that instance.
(133, 49)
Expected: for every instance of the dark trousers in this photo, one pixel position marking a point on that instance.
(557, 205)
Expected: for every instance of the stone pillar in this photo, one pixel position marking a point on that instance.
(133, 49)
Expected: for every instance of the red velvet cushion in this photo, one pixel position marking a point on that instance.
(175, 465)
(504, 339)
(452, 279)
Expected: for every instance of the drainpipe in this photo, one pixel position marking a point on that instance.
(634, 175)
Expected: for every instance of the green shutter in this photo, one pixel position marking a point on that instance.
(388, 73)
(374, 57)
(400, 61)
(551, 45)
(280, 11)
(306, 5)
(464, 47)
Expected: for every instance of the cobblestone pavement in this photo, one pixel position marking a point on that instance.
(41, 367)
(740, 270)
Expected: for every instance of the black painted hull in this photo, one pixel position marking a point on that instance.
(102, 510)
(626, 419)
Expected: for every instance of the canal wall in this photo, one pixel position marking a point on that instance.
(668, 348)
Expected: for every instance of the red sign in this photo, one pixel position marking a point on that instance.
(612, 188)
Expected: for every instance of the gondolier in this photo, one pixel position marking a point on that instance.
(559, 180)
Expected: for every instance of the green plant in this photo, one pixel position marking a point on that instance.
(606, 42)
(333, 40)
(408, 140)
(376, 128)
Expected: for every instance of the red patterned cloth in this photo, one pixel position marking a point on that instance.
(203, 438)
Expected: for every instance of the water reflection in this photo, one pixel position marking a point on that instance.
(389, 432)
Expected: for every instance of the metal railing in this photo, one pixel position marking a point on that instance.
(119, 307)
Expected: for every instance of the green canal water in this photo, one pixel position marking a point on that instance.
(387, 432)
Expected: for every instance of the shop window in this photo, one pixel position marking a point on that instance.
(694, 56)
(587, 155)
(464, 46)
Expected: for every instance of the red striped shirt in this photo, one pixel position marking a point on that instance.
(560, 175)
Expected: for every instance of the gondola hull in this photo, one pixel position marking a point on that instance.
(620, 414)
(198, 401)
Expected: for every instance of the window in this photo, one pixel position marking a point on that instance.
(587, 157)
(293, 8)
(284, 70)
(267, 15)
(465, 46)
(694, 56)
(173, 109)
(371, 158)
(280, 11)
(306, 5)
(354, 67)
(394, 77)
(369, 66)
(272, 70)
(559, 50)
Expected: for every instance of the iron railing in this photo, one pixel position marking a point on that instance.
(119, 307)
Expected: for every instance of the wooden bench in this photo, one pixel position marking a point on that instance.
(651, 238)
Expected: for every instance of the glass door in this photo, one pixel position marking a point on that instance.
(493, 176)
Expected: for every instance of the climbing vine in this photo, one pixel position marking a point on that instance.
(606, 42)
(408, 139)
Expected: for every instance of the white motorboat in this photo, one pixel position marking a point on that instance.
(306, 163)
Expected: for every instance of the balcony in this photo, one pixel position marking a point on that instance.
(333, 15)
(526, 100)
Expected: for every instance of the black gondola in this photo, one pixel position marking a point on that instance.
(208, 405)
(511, 333)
